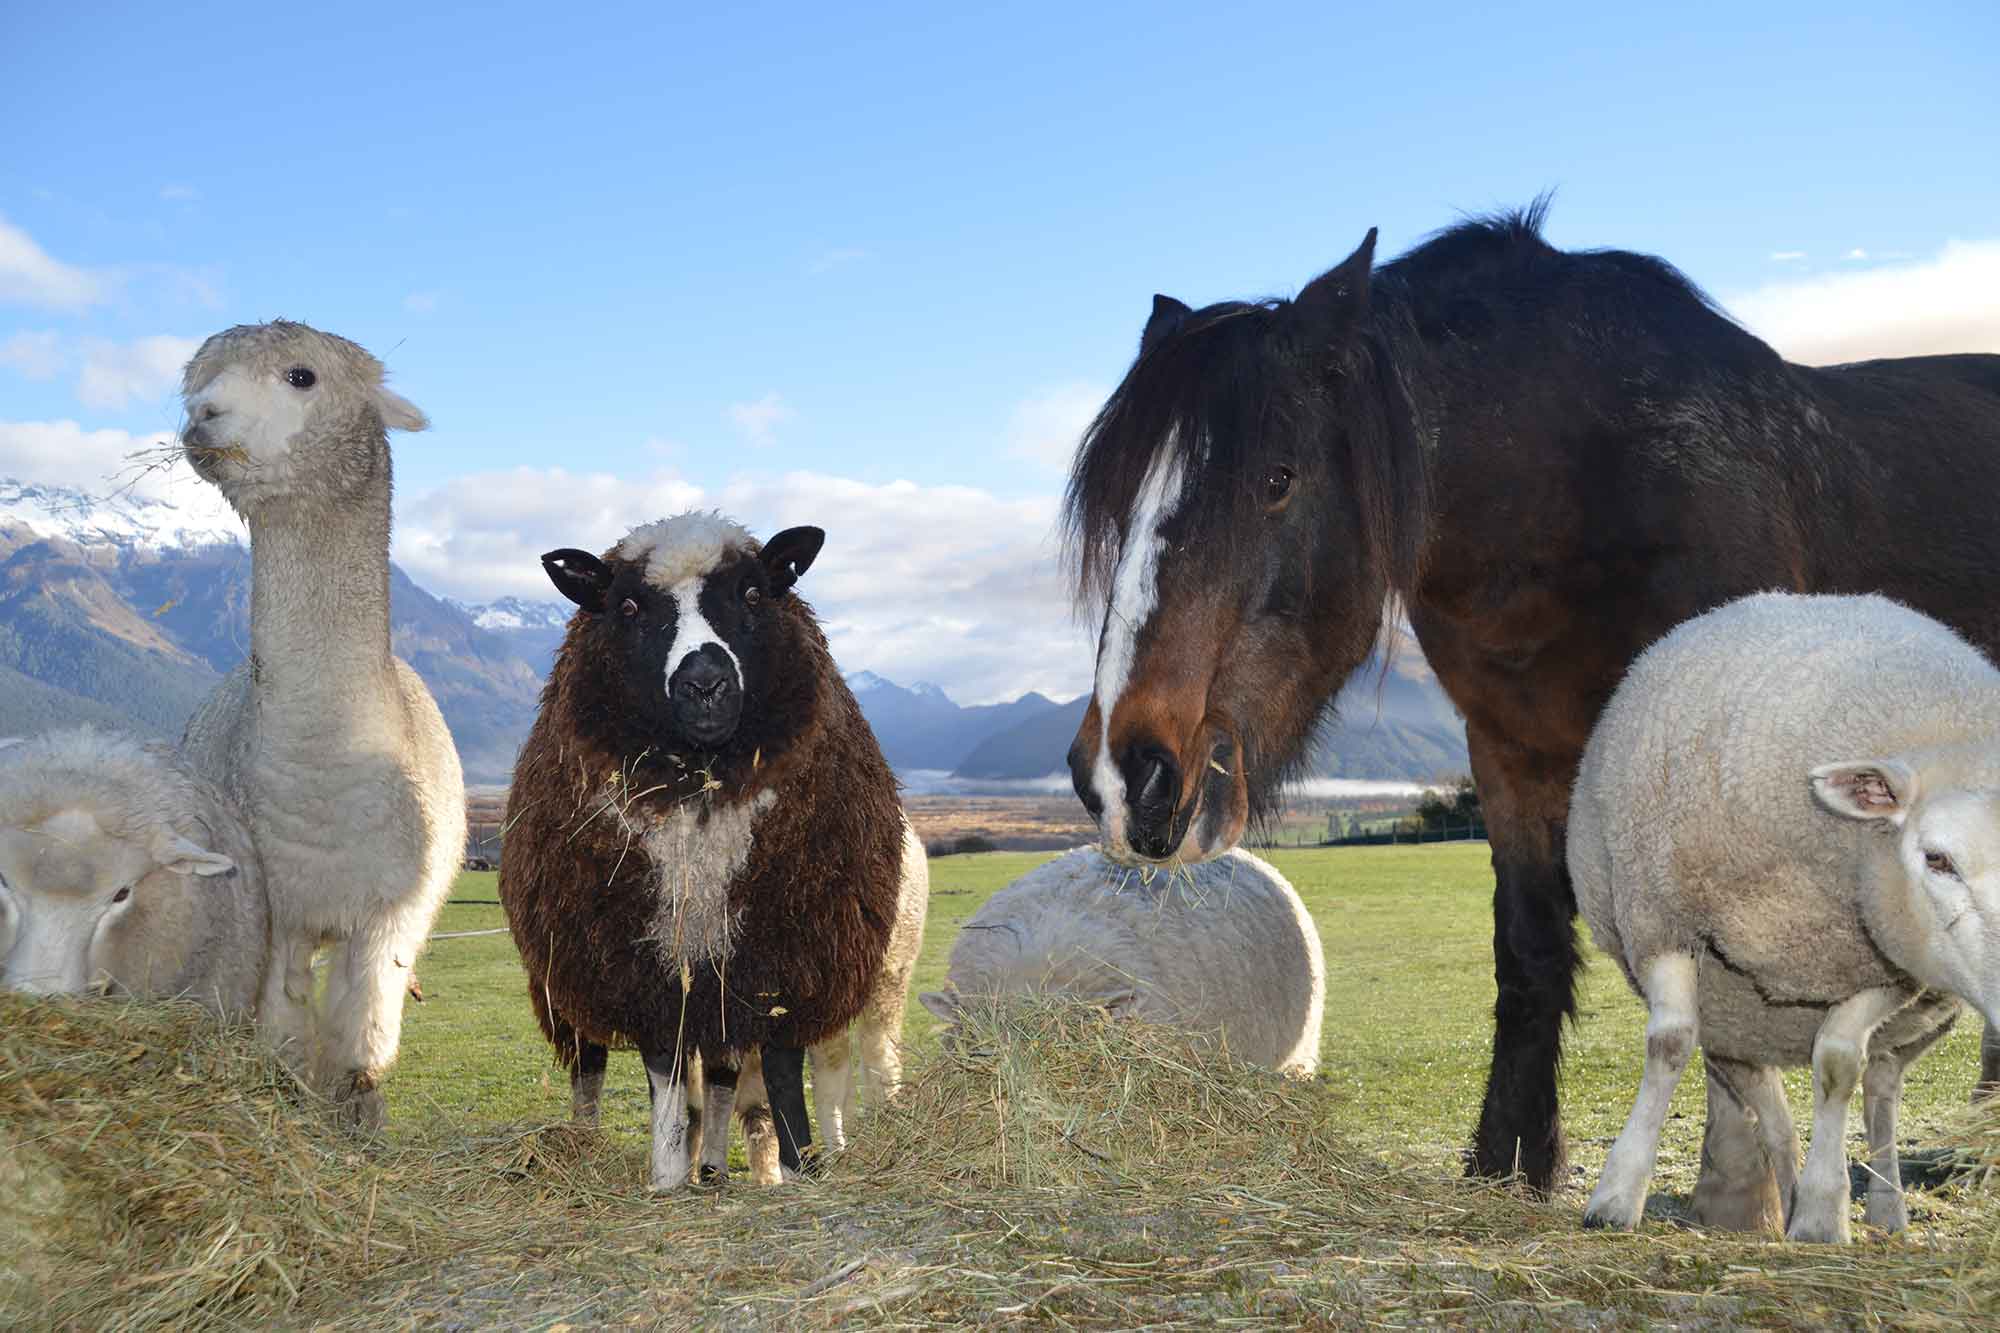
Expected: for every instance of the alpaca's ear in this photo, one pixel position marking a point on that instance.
(1341, 293)
(579, 576)
(399, 413)
(1168, 315)
(185, 857)
(789, 555)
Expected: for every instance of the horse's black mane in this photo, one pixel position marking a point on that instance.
(1229, 378)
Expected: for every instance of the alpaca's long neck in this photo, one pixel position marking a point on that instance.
(319, 608)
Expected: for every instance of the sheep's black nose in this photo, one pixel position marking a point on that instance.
(702, 680)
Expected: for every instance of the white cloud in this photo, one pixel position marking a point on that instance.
(1787, 256)
(179, 194)
(758, 422)
(35, 355)
(941, 583)
(102, 463)
(1949, 303)
(1046, 425)
(421, 303)
(116, 373)
(29, 276)
(1856, 253)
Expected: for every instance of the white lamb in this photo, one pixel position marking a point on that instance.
(1224, 946)
(332, 745)
(121, 870)
(1786, 829)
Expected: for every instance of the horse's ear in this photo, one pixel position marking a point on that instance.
(579, 576)
(1342, 291)
(1168, 315)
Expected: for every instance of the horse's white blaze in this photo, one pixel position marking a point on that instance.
(692, 631)
(1135, 592)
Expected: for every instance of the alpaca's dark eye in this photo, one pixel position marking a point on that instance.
(1940, 864)
(301, 377)
(628, 608)
(1277, 485)
(122, 894)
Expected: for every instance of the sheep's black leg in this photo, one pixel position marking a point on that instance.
(785, 1082)
(586, 1081)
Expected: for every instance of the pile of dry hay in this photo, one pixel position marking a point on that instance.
(156, 1169)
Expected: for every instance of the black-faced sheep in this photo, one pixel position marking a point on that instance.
(1786, 830)
(330, 744)
(705, 847)
(1221, 946)
(120, 869)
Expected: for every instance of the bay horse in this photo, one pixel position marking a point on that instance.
(1549, 459)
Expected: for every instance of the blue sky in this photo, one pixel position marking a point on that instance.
(873, 266)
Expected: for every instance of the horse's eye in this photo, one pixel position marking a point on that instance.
(628, 608)
(301, 377)
(1277, 485)
(1940, 864)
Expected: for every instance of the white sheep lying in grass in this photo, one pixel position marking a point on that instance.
(1786, 829)
(1224, 946)
(120, 869)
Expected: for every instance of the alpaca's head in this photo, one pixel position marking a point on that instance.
(281, 409)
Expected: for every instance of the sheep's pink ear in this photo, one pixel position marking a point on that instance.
(1881, 789)
(399, 413)
(789, 555)
(944, 1008)
(190, 858)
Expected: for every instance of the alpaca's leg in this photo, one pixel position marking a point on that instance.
(785, 1083)
(666, 1087)
(1672, 1032)
(760, 1136)
(1819, 1211)
(1989, 1065)
(1738, 1189)
(366, 986)
(881, 1030)
(718, 1103)
(284, 1010)
(586, 1082)
(1881, 1099)
(833, 1088)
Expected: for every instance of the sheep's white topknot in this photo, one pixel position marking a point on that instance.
(684, 547)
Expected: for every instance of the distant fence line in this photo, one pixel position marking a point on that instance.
(1397, 834)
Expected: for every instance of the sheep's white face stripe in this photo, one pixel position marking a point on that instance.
(1134, 594)
(260, 414)
(692, 630)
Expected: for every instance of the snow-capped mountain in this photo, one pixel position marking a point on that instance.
(124, 519)
(517, 613)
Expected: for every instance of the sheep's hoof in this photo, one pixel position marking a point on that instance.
(1812, 1229)
(359, 1104)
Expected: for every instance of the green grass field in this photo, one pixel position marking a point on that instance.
(1407, 934)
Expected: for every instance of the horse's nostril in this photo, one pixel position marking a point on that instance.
(1155, 783)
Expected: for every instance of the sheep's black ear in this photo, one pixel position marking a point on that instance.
(1168, 315)
(579, 576)
(789, 555)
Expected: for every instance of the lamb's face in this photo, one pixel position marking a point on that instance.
(283, 409)
(689, 625)
(80, 906)
(1943, 824)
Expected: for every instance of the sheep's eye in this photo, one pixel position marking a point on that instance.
(1940, 864)
(301, 377)
(1277, 485)
(752, 594)
(628, 608)
(122, 894)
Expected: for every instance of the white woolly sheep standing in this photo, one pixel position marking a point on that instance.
(1223, 946)
(120, 868)
(331, 744)
(1786, 829)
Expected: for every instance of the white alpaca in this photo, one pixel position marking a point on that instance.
(1786, 830)
(1221, 946)
(120, 869)
(332, 745)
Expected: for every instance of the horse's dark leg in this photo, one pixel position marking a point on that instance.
(1535, 961)
(785, 1081)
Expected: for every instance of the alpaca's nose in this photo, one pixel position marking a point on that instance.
(207, 412)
